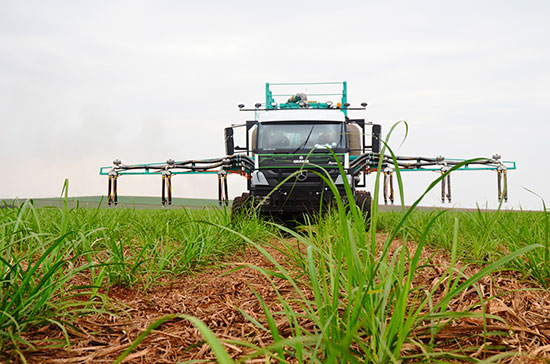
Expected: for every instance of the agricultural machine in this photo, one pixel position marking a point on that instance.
(289, 145)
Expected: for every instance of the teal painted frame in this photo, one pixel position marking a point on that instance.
(269, 97)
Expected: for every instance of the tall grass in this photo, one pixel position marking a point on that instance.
(57, 263)
(35, 268)
(139, 246)
(484, 236)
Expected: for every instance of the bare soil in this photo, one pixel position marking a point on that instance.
(215, 296)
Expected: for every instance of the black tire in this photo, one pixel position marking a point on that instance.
(241, 205)
(363, 200)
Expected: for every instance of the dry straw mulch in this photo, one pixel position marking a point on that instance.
(213, 298)
(522, 305)
(210, 296)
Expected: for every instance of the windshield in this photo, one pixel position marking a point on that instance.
(298, 136)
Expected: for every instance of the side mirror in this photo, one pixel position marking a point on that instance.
(229, 143)
(375, 143)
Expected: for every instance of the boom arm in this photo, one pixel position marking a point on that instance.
(243, 165)
(240, 164)
(368, 163)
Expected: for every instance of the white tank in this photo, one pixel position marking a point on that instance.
(254, 141)
(354, 139)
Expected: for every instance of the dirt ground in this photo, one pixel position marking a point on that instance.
(214, 298)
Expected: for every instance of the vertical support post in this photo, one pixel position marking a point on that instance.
(385, 188)
(268, 96)
(449, 187)
(109, 191)
(226, 197)
(169, 187)
(166, 197)
(115, 189)
(345, 96)
(499, 185)
(391, 186)
(163, 190)
(445, 185)
(222, 188)
(502, 183)
(388, 185)
(219, 189)
(167, 183)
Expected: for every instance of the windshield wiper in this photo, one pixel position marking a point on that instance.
(305, 142)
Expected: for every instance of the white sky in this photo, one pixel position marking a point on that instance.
(83, 83)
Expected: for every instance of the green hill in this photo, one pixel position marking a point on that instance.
(138, 202)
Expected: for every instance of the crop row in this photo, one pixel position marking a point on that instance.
(58, 263)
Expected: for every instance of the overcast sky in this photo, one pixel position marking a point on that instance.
(85, 82)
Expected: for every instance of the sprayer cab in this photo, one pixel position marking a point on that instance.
(295, 142)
